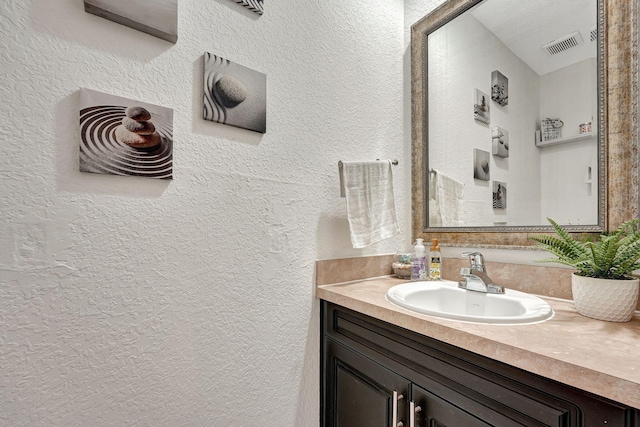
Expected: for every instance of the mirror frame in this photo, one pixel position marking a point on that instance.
(617, 132)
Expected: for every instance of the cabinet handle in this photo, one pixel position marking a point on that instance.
(413, 410)
(394, 410)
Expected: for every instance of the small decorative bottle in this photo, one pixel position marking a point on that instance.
(418, 272)
(435, 261)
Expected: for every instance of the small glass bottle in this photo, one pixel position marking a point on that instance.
(435, 261)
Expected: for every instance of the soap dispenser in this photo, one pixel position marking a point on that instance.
(418, 272)
(435, 261)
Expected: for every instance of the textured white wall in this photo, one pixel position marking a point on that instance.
(129, 301)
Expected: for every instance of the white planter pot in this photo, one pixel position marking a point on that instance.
(605, 299)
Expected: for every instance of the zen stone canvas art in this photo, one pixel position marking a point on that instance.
(234, 95)
(255, 5)
(499, 88)
(156, 17)
(499, 195)
(120, 136)
(481, 165)
(500, 141)
(481, 107)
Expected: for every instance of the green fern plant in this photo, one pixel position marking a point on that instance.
(615, 256)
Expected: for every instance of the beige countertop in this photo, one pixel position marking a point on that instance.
(600, 357)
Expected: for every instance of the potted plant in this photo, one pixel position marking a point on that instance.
(602, 285)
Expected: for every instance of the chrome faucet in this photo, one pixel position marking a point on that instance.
(476, 278)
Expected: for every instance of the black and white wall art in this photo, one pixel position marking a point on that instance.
(499, 88)
(481, 107)
(255, 5)
(481, 164)
(234, 95)
(499, 195)
(121, 136)
(156, 17)
(500, 141)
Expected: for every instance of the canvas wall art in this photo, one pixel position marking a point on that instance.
(500, 141)
(156, 17)
(499, 88)
(255, 5)
(481, 164)
(234, 95)
(481, 107)
(121, 136)
(499, 195)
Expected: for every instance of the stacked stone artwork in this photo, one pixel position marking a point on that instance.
(136, 129)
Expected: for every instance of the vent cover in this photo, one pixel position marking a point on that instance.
(560, 45)
(594, 34)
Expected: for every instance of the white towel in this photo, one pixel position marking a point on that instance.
(446, 204)
(371, 208)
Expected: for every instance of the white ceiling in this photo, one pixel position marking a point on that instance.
(524, 26)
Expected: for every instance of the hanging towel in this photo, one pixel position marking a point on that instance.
(371, 208)
(446, 205)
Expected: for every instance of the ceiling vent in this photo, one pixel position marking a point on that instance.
(593, 34)
(562, 44)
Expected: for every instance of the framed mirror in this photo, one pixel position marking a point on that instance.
(494, 153)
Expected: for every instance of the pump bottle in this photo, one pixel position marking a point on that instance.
(418, 271)
(435, 261)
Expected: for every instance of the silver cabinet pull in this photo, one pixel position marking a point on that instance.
(413, 410)
(394, 420)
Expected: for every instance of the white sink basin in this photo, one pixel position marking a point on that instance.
(444, 299)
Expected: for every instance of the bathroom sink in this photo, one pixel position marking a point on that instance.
(444, 299)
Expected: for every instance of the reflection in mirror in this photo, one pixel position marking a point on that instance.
(496, 73)
(514, 121)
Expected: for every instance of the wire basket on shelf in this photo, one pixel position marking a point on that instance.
(550, 129)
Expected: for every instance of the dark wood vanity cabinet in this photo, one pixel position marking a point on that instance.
(375, 374)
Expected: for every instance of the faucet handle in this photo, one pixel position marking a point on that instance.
(476, 259)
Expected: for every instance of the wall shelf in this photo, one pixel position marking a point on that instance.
(564, 140)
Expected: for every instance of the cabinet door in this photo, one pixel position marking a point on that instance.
(434, 411)
(360, 392)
